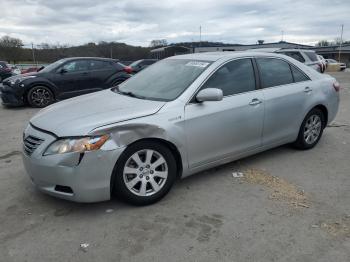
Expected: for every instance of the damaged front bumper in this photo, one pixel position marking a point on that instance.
(79, 177)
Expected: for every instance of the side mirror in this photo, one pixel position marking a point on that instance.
(209, 94)
(63, 71)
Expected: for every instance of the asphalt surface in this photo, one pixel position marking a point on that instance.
(297, 208)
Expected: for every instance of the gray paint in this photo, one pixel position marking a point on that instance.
(206, 134)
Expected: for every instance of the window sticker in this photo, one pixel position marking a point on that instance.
(197, 64)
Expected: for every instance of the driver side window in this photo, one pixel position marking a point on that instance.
(233, 78)
(75, 66)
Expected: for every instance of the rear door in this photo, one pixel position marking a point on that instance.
(220, 129)
(286, 92)
(100, 72)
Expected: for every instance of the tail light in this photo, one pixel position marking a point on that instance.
(336, 86)
(128, 69)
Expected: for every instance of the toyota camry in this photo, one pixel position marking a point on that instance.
(177, 117)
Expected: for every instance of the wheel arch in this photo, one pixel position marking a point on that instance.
(171, 146)
(324, 111)
(36, 85)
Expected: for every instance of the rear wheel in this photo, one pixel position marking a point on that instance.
(311, 129)
(144, 173)
(40, 96)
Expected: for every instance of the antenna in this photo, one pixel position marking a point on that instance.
(200, 35)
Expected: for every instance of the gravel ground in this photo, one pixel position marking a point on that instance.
(290, 206)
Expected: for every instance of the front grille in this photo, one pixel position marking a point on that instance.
(30, 143)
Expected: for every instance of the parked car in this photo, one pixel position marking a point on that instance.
(139, 65)
(308, 57)
(323, 63)
(341, 65)
(5, 71)
(63, 79)
(182, 115)
(14, 69)
(30, 70)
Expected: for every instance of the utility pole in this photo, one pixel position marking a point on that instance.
(341, 41)
(282, 32)
(33, 54)
(200, 35)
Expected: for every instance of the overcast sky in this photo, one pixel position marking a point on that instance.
(137, 22)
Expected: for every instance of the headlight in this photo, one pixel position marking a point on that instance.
(18, 79)
(81, 144)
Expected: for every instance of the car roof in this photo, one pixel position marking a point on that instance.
(214, 56)
(95, 58)
(294, 49)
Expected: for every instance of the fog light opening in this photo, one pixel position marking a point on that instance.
(64, 189)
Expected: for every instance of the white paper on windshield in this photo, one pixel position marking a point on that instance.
(197, 64)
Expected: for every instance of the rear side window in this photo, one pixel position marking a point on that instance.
(299, 76)
(312, 56)
(296, 55)
(274, 72)
(233, 78)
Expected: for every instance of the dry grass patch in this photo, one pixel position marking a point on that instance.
(338, 228)
(281, 190)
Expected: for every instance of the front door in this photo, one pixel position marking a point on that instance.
(72, 79)
(220, 129)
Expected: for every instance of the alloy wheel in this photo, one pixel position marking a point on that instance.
(312, 129)
(41, 97)
(145, 172)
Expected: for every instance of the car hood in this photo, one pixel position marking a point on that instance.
(21, 77)
(78, 116)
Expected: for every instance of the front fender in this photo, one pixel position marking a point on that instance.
(28, 84)
(158, 126)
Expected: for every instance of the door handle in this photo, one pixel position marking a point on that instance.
(307, 89)
(255, 102)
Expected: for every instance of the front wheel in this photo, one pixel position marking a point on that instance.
(40, 96)
(144, 173)
(311, 129)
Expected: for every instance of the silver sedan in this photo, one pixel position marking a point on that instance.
(179, 116)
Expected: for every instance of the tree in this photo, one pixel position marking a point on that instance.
(323, 43)
(158, 43)
(10, 48)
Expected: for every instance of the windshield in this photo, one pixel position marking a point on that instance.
(164, 80)
(52, 66)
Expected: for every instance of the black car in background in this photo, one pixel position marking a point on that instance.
(5, 71)
(63, 79)
(138, 65)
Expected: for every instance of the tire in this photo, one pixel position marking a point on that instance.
(40, 96)
(136, 180)
(311, 130)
